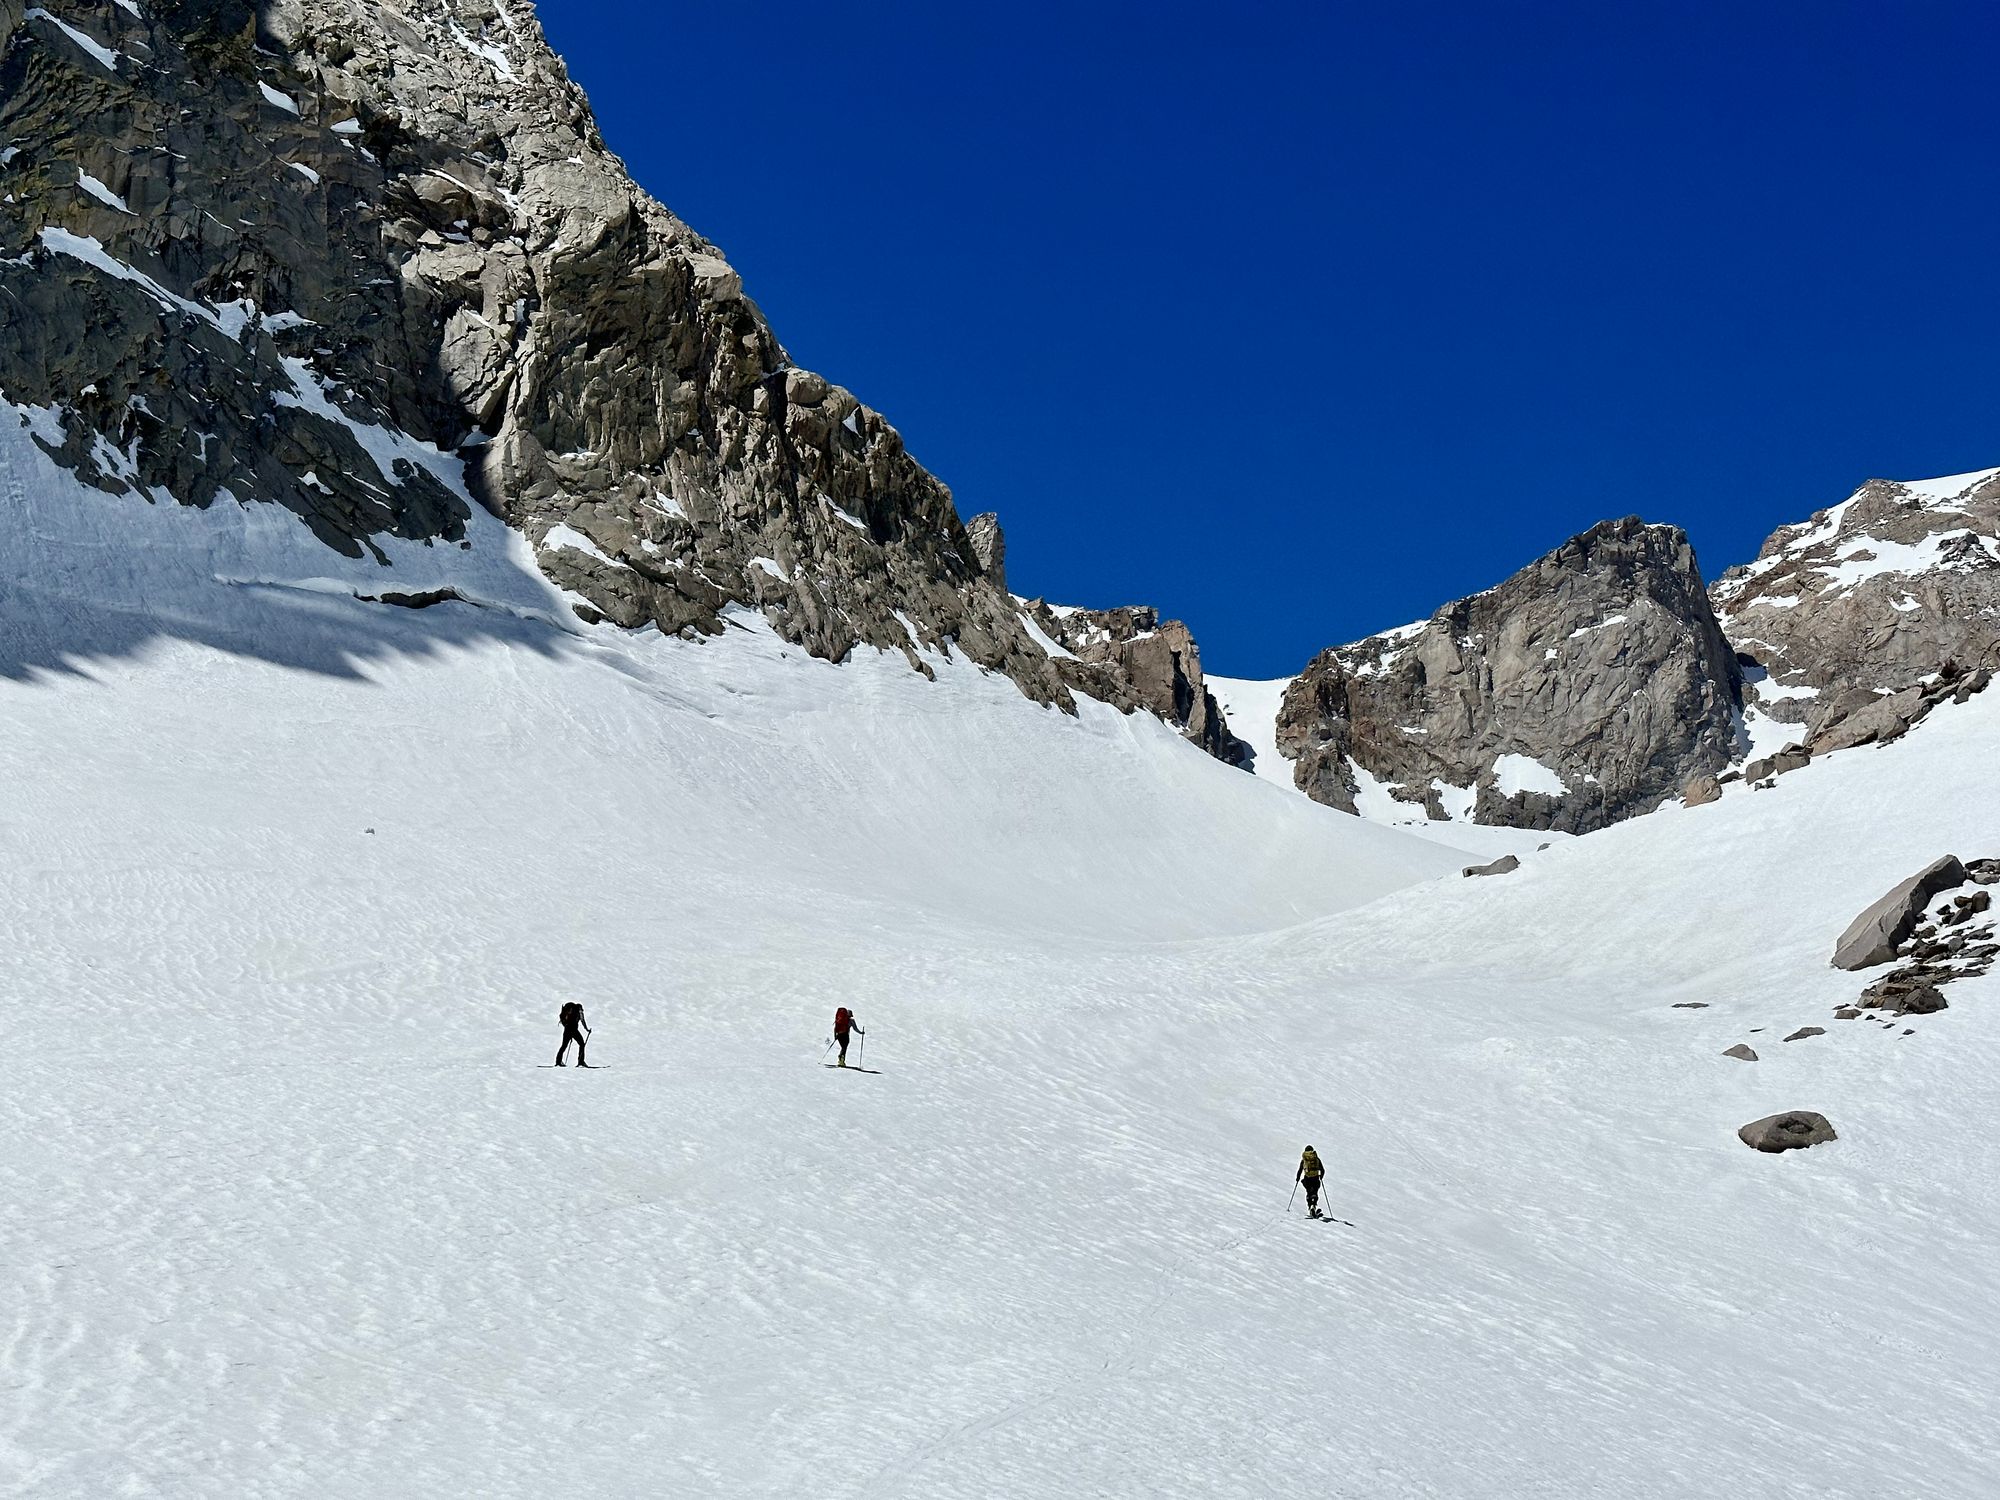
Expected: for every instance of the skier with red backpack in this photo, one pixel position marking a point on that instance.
(843, 1024)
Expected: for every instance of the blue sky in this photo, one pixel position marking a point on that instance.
(1297, 321)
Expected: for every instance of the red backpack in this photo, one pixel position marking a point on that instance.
(843, 1019)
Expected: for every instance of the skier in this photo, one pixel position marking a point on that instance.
(1311, 1171)
(843, 1023)
(575, 1029)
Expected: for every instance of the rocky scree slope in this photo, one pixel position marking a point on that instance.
(1856, 622)
(236, 240)
(1592, 685)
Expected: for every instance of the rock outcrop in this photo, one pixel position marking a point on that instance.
(1844, 616)
(1877, 934)
(1130, 658)
(989, 545)
(240, 244)
(1593, 684)
(1792, 1131)
(1939, 941)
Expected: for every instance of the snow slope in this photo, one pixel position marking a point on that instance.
(1252, 709)
(291, 887)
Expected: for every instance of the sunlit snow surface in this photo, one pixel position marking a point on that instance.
(292, 886)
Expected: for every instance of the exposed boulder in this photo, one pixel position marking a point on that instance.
(1842, 721)
(1874, 936)
(1593, 684)
(1741, 1052)
(1506, 864)
(1788, 759)
(1805, 1032)
(1701, 790)
(1792, 1131)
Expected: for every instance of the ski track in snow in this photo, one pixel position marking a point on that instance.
(301, 1210)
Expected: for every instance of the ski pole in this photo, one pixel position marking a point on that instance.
(829, 1048)
(1295, 1195)
(861, 1057)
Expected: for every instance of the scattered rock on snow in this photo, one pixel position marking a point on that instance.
(1690, 1005)
(1788, 759)
(1805, 1031)
(1792, 1131)
(1872, 937)
(1505, 865)
(1907, 992)
(1741, 1052)
(1847, 1013)
(1966, 907)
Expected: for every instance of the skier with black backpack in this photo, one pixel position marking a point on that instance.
(575, 1029)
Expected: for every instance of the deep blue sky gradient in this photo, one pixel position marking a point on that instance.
(1299, 320)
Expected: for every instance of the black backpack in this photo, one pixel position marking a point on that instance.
(572, 1014)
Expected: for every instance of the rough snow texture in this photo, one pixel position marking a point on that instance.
(1871, 597)
(291, 888)
(1601, 667)
(413, 206)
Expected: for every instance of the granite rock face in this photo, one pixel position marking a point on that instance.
(1592, 685)
(1846, 615)
(989, 545)
(238, 238)
(1877, 935)
(1130, 658)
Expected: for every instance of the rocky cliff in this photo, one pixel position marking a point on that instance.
(240, 243)
(1132, 659)
(1848, 616)
(1592, 685)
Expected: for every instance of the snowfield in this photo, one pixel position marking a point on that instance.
(292, 886)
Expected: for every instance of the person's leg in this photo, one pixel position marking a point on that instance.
(569, 1035)
(1312, 1195)
(582, 1042)
(843, 1050)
